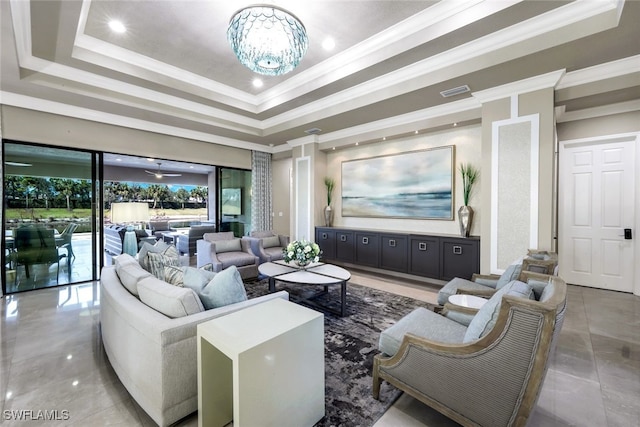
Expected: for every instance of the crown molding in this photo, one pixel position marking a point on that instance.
(591, 113)
(466, 109)
(544, 81)
(599, 72)
(52, 107)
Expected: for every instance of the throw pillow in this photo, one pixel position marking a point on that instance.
(130, 272)
(270, 242)
(160, 246)
(157, 262)
(197, 278)
(487, 316)
(232, 245)
(224, 289)
(172, 301)
(174, 275)
(511, 273)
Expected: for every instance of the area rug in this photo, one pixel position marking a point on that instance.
(350, 344)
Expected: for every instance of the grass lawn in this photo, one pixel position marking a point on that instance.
(63, 213)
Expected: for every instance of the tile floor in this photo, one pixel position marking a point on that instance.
(51, 358)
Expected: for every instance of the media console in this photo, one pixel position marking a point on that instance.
(436, 256)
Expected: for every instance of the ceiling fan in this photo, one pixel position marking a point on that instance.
(158, 174)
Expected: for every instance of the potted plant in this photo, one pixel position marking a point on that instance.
(465, 213)
(328, 211)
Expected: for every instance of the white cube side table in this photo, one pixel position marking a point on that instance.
(263, 365)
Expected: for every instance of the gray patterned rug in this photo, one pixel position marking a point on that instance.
(350, 344)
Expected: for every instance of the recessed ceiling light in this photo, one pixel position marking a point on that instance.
(117, 26)
(257, 83)
(328, 44)
(384, 138)
(118, 159)
(150, 159)
(357, 143)
(334, 148)
(416, 132)
(455, 124)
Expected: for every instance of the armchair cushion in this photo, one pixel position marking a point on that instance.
(487, 316)
(232, 245)
(225, 288)
(238, 259)
(424, 323)
(270, 242)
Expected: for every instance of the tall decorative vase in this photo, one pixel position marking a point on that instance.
(465, 216)
(328, 216)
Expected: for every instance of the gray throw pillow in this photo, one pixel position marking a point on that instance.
(487, 316)
(197, 278)
(174, 275)
(224, 289)
(270, 242)
(511, 273)
(232, 245)
(159, 247)
(157, 262)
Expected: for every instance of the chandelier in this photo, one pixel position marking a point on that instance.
(267, 39)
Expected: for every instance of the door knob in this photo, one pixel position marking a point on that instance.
(627, 234)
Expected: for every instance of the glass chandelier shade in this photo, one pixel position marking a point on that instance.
(267, 39)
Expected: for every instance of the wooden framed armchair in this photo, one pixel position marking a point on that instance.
(485, 285)
(491, 381)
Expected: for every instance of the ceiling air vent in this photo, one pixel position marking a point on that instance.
(455, 91)
(313, 131)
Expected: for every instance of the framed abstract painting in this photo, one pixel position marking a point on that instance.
(416, 185)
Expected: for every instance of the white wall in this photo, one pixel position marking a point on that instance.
(281, 195)
(467, 142)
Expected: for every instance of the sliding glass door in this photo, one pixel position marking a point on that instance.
(235, 201)
(49, 229)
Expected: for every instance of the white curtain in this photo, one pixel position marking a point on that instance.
(261, 205)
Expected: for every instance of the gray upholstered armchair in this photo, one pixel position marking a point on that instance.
(267, 245)
(486, 374)
(536, 261)
(223, 250)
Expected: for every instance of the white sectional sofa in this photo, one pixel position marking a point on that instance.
(155, 355)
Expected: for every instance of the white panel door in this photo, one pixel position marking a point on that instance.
(597, 188)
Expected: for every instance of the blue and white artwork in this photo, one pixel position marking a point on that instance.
(416, 184)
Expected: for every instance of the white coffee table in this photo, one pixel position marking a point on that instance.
(262, 366)
(317, 273)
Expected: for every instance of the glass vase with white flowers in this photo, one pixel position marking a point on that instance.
(301, 253)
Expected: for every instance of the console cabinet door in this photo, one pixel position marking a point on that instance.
(394, 252)
(345, 248)
(424, 256)
(460, 258)
(367, 248)
(326, 239)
